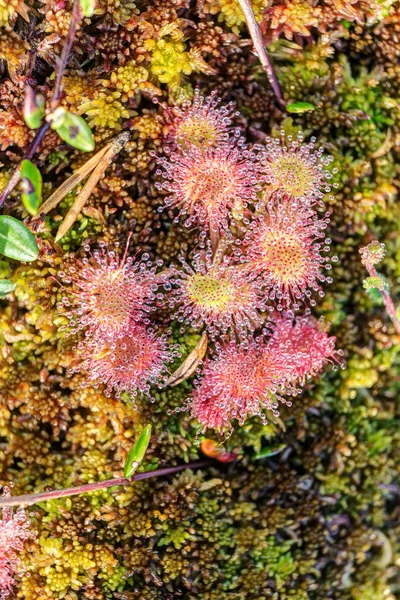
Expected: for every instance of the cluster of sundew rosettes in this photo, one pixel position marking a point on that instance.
(262, 250)
(110, 300)
(14, 530)
(243, 380)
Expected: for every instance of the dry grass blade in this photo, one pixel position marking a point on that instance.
(98, 169)
(69, 184)
(190, 364)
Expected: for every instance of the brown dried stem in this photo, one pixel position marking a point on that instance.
(260, 49)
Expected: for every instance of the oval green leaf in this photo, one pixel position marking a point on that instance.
(300, 107)
(34, 106)
(16, 240)
(137, 452)
(73, 129)
(31, 184)
(6, 287)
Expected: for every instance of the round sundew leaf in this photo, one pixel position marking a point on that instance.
(31, 184)
(87, 7)
(137, 452)
(375, 295)
(300, 107)
(6, 287)
(16, 240)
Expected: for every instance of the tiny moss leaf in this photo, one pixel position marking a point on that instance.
(88, 7)
(300, 107)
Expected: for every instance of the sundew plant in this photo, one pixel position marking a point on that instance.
(199, 322)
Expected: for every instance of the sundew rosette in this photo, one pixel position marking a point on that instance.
(295, 170)
(202, 122)
(104, 293)
(239, 382)
(14, 530)
(207, 185)
(215, 293)
(306, 345)
(132, 363)
(286, 247)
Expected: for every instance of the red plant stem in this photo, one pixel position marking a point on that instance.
(387, 300)
(29, 499)
(69, 40)
(54, 102)
(260, 49)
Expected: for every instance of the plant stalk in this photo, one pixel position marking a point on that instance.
(260, 49)
(29, 499)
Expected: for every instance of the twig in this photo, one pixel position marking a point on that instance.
(69, 40)
(260, 49)
(55, 99)
(29, 499)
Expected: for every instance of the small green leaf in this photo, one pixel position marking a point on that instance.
(16, 240)
(31, 183)
(33, 108)
(300, 107)
(375, 296)
(88, 7)
(6, 287)
(269, 451)
(73, 129)
(137, 452)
